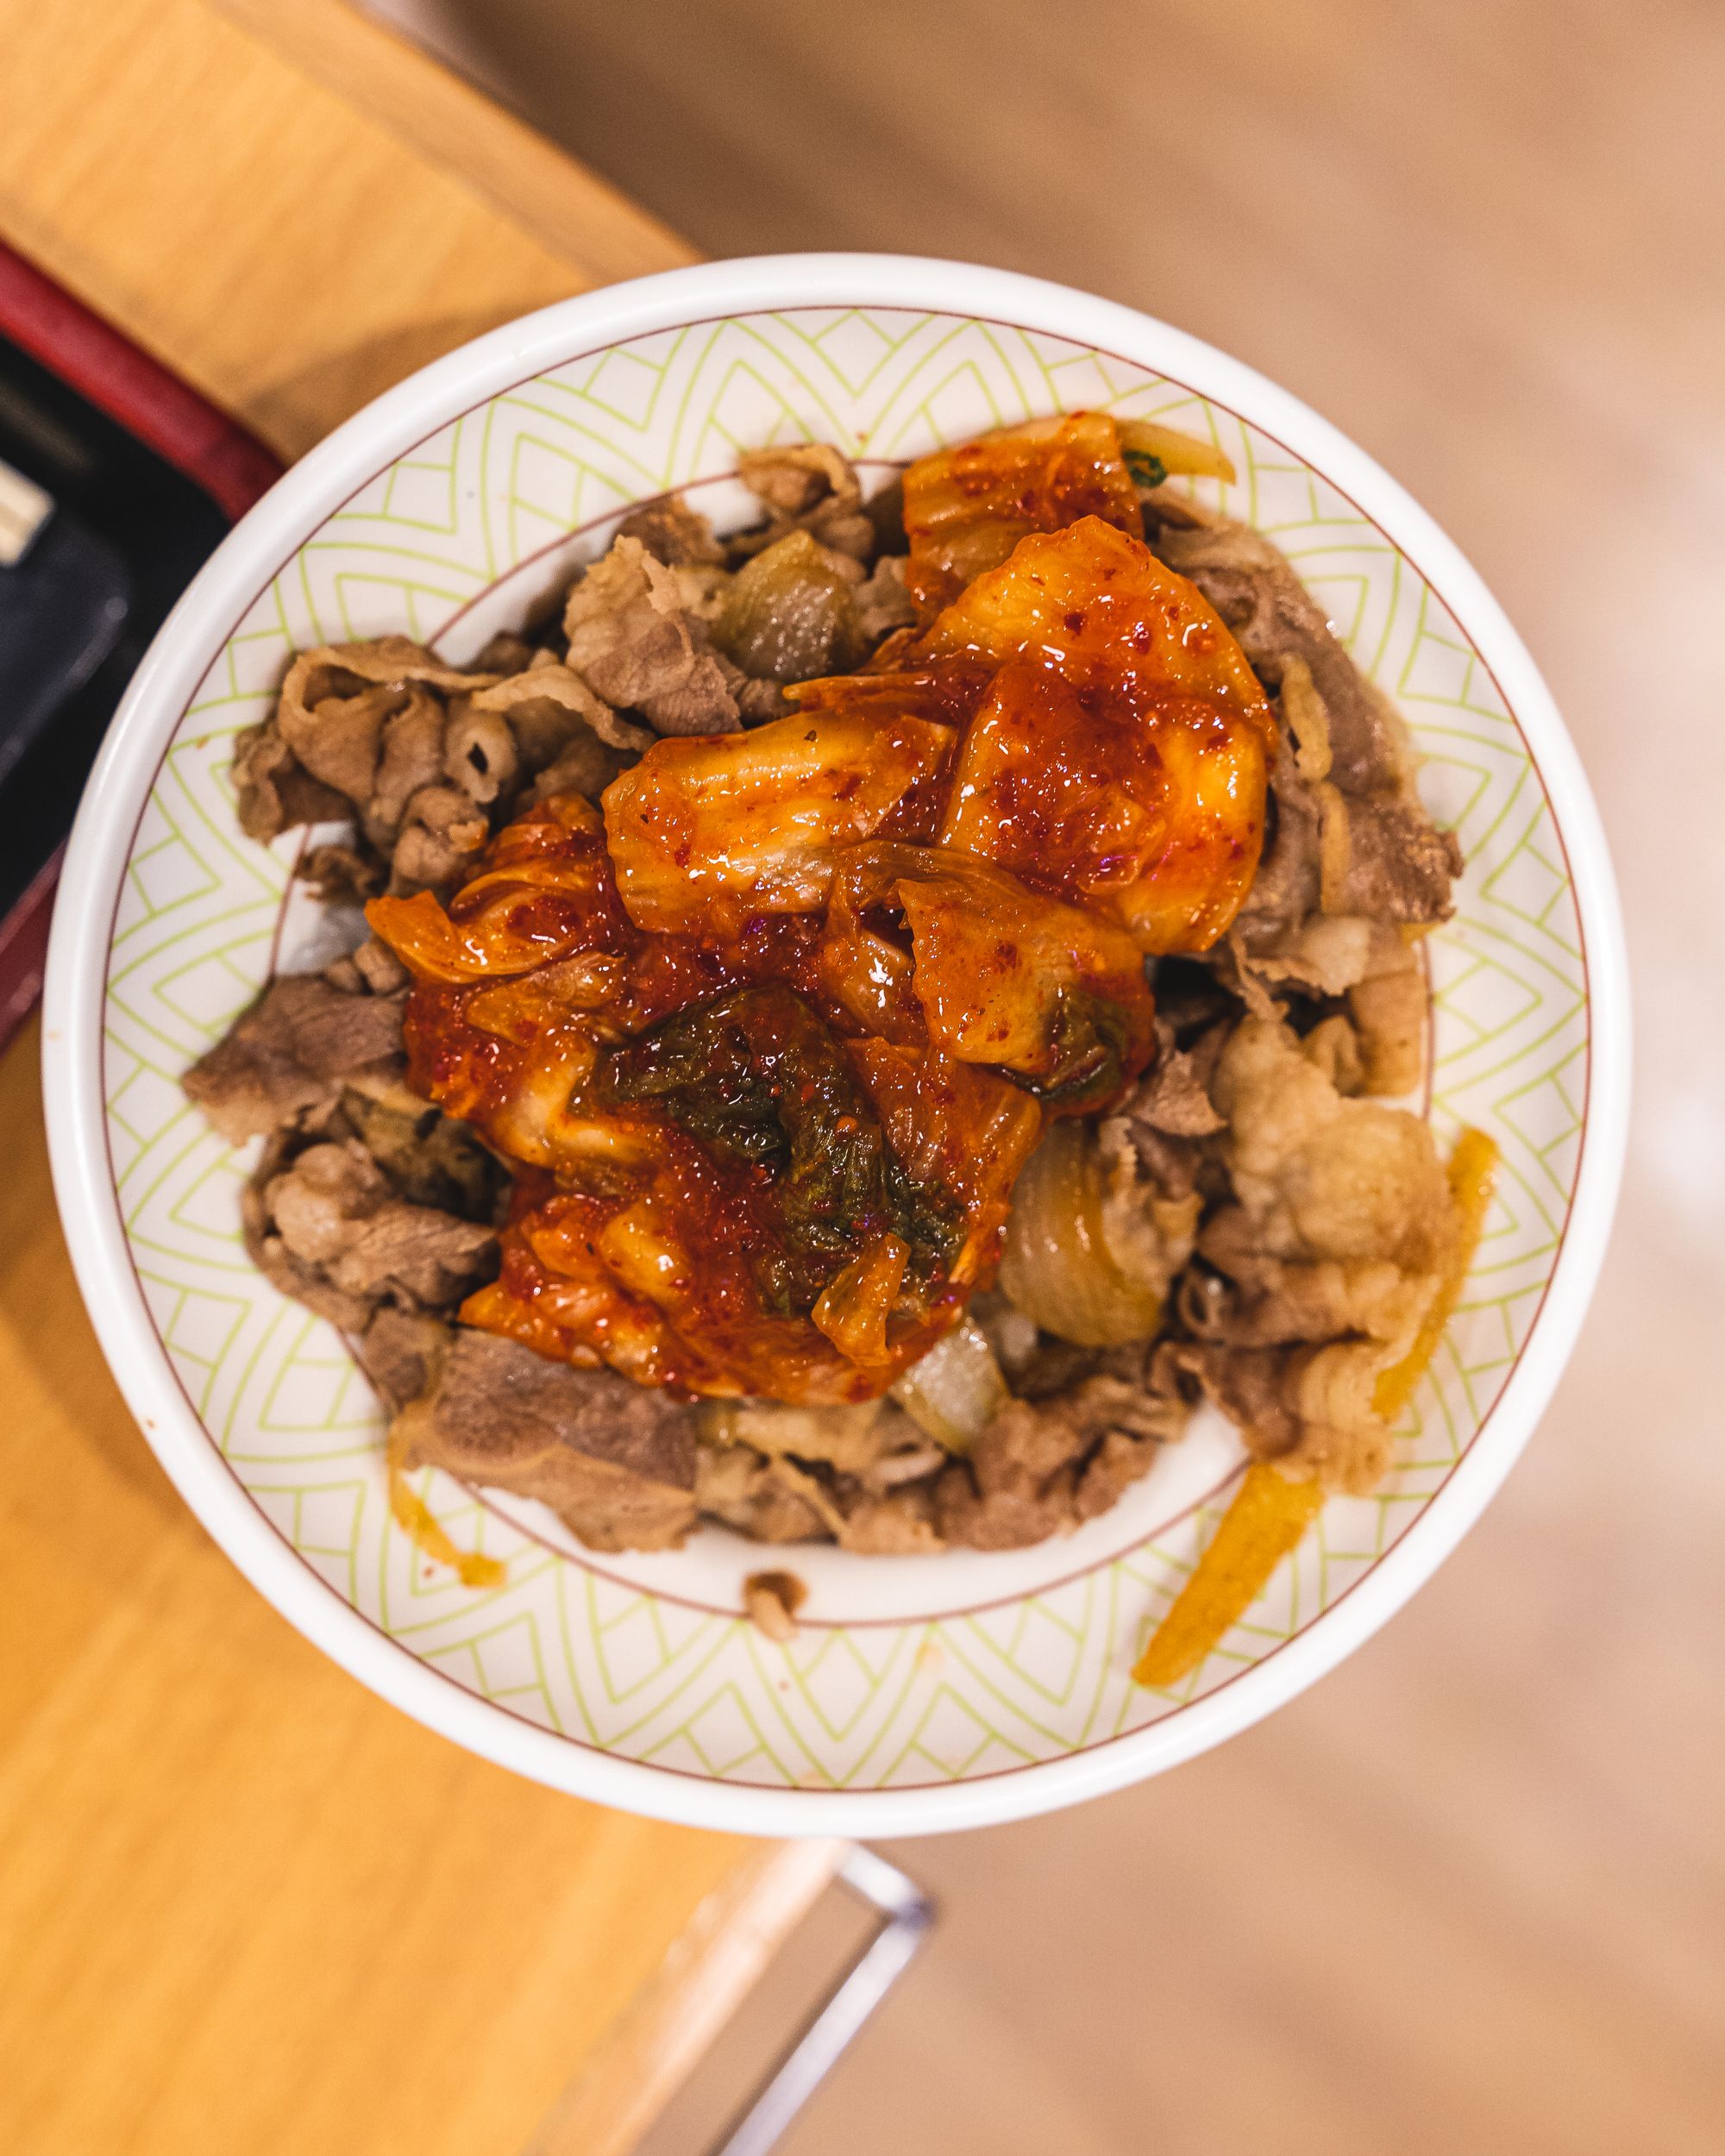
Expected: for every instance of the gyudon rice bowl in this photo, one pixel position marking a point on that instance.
(866, 1021)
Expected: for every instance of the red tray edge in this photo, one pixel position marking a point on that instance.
(186, 430)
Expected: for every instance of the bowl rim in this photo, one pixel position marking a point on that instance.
(96, 862)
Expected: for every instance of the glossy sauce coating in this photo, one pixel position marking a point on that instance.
(770, 1039)
(1157, 823)
(709, 832)
(633, 1243)
(967, 508)
(1121, 755)
(1095, 606)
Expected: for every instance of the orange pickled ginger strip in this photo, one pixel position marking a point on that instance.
(1268, 1514)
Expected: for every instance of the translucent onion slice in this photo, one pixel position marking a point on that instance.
(790, 616)
(1058, 1266)
(1174, 452)
(956, 1390)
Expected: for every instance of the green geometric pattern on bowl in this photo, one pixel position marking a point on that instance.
(1029, 1657)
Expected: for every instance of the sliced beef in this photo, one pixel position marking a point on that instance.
(1309, 1405)
(1172, 1166)
(898, 1523)
(289, 1050)
(1191, 999)
(1124, 1456)
(1042, 1466)
(274, 789)
(339, 739)
(544, 723)
(793, 478)
(361, 717)
(1328, 953)
(915, 1462)
(736, 1486)
(1255, 1389)
(1321, 1177)
(806, 486)
(613, 1460)
(370, 968)
(423, 757)
(883, 603)
(327, 1226)
(634, 643)
(1386, 860)
(480, 753)
(1334, 1046)
(343, 874)
(378, 967)
(549, 708)
(1317, 1266)
(1018, 1483)
(850, 1438)
(758, 701)
(1050, 1366)
(884, 509)
(333, 1036)
(399, 1350)
(1251, 1300)
(294, 1275)
(441, 836)
(673, 533)
(586, 766)
(1390, 1011)
(1286, 890)
(1351, 834)
(862, 1476)
(504, 653)
(1172, 1099)
(427, 1158)
(409, 758)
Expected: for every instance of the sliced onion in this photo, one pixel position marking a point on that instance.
(956, 1390)
(1058, 1266)
(790, 615)
(1176, 452)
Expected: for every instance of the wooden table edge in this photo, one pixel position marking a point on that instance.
(539, 188)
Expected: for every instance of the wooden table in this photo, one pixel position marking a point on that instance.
(245, 1907)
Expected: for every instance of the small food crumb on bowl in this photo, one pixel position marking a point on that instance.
(771, 1601)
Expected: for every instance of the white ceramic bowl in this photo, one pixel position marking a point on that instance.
(922, 1694)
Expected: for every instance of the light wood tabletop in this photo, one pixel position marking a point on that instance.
(244, 1905)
